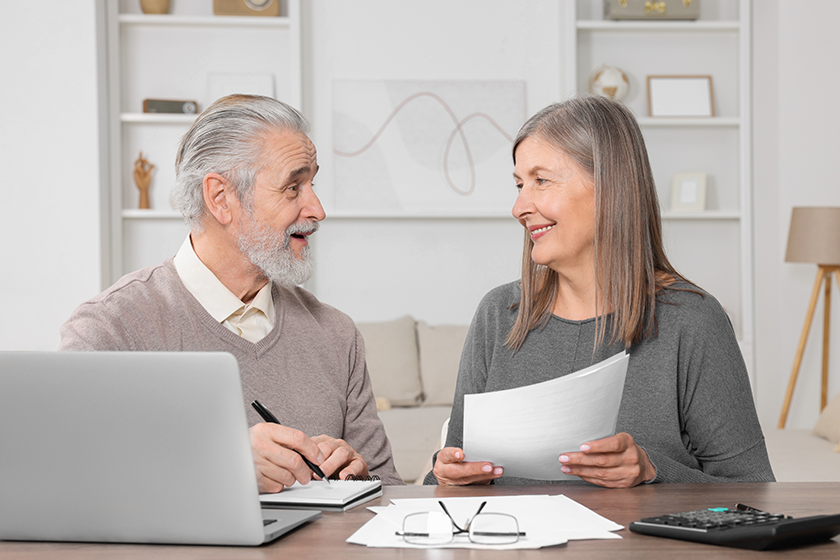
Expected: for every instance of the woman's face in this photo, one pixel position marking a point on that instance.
(556, 204)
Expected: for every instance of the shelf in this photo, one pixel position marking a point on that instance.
(440, 214)
(435, 215)
(603, 25)
(710, 244)
(345, 215)
(204, 21)
(152, 215)
(705, 215)
(157, 118)
(710, 122)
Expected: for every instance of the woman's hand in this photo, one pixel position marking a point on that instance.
(451, 469)
(614, 462)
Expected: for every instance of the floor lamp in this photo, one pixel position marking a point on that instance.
(814, 238)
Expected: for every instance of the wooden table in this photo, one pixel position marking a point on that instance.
(325, 537)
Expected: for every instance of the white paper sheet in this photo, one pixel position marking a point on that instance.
(545, 520)
(525, 430)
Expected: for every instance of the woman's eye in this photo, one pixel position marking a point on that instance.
(519, 186)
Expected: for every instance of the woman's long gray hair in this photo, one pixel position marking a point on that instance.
(603, 138)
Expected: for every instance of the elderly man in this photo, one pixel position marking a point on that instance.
(244, 175)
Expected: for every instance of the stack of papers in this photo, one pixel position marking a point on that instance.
(525, 430)
(545, 520)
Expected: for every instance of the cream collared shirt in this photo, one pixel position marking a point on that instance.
(250, 321)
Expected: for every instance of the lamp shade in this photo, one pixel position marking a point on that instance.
(814, 235)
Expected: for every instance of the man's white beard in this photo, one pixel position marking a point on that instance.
(271, 253)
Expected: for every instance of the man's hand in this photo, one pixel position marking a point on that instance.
(452, 469)
(340, 458)
(614, 462)
(275, 458)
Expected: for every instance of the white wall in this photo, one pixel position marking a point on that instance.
(49, 148)
(437, 269)
(796, 119)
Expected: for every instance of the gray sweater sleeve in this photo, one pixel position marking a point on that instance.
(718, 425)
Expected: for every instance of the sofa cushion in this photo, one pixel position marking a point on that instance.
(440, 354)
(828, 424)
(391, 355)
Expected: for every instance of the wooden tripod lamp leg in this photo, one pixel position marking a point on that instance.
(803, 339)
(826, 339)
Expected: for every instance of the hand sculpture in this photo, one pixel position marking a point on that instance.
(143, 177)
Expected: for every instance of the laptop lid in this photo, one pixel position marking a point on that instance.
(142, 447)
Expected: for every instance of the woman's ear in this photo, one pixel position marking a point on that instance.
(218, 197)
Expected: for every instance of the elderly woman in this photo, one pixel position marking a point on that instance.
(596, 281)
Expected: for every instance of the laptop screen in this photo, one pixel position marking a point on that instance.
(125, 447)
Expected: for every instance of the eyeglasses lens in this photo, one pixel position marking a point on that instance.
(431, 528)
(494, 528)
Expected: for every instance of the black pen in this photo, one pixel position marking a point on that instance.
(269, 417)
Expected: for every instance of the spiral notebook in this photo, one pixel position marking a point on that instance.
(335, 495)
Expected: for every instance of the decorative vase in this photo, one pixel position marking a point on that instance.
(154, 6)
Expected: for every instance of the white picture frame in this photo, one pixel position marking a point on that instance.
(688, 192)
(680, 96)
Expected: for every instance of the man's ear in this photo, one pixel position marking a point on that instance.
(218, 197)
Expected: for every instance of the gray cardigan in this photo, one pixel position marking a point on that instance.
(686, 400)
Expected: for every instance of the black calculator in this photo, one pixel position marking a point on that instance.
(742, 527)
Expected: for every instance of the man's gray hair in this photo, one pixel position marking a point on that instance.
(226, 138)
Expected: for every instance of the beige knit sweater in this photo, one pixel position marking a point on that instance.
(309, 370)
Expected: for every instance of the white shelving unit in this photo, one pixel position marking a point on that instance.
(174, 56)
(714, 247)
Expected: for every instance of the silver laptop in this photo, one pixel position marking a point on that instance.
(141, 447)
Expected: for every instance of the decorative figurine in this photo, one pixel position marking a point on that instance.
(154, 6)
(143, 177)
(609, 81)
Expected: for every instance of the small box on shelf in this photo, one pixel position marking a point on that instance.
(648, 10)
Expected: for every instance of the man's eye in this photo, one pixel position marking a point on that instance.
(541, 181)
(519, 186)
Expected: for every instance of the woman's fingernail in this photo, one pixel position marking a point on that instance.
(457, 454)
(564, 458)
(585, 447)
(487, 468)
(565, 469)
(498, 470)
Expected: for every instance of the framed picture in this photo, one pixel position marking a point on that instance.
(680, 96)
(688, 193)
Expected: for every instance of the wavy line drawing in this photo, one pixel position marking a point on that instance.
(457, 131)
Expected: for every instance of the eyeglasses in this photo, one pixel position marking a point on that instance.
(435, 528)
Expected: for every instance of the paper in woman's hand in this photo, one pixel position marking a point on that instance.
(525, 430)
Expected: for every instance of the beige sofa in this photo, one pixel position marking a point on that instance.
(413, 368)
